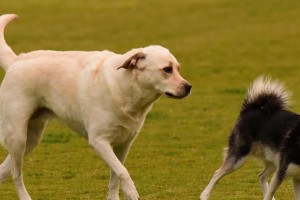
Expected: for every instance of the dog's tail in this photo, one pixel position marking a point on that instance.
(267, 95)
(7, 56)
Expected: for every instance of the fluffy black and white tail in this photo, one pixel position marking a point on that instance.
(7, 56)
(267, 95)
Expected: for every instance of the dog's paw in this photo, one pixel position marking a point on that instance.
(204, 196)
(113, 197)
(265, 198)
(131, 194)
(132, 197)
(129, 190)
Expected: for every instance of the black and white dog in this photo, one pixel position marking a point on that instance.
(267, 130)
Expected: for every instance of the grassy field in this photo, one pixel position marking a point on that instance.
(222, 46)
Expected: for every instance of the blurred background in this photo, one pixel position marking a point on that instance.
(222, 45)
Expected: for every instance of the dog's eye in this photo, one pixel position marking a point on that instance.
(168, 70)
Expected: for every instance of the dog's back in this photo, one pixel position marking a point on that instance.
(265, 120)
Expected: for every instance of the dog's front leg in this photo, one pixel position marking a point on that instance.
(296, 183)
(263, 177)
(121, 151)
(105, 151)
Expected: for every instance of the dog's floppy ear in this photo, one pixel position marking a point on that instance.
(131, 61)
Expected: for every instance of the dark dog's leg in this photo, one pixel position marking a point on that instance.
(264, 175)
(230, 164)
(277, 179)
(296, 188)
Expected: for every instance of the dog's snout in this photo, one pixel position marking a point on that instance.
(187, 87)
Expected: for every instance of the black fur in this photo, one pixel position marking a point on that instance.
(267, 129)
(265, 121)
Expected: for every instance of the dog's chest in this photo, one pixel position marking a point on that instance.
(124, 130)
(265, 153)
(121, 129)
(294, 170)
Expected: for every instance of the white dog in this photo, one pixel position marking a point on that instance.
(101, 95)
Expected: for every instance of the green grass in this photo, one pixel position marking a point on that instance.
(222, 46)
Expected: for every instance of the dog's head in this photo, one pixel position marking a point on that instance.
(156, 68)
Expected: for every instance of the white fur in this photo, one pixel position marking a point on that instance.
(7, 56)
(101, 95)
(264, 85)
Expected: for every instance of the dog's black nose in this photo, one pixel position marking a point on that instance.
(187, 87)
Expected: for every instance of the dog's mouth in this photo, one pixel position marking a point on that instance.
(170, 95)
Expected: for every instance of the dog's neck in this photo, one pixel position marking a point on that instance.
(138, 105)
(134, 101)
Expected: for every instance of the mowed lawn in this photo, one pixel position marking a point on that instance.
(222, 45)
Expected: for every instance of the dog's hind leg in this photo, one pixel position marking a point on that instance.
(276, 181)
(16, 146)
(5, 168)
(296, 188)
(15, 118)
(34, 133)
(264, 175)
(230, 164)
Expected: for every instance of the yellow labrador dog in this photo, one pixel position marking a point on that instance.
(101, 95)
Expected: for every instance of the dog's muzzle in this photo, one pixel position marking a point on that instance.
(182, 92)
